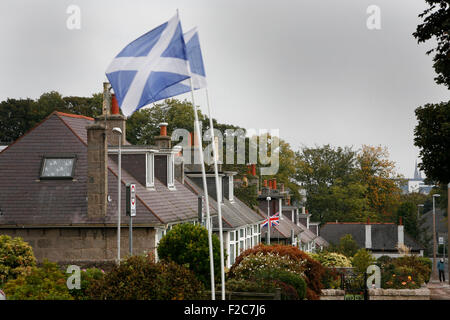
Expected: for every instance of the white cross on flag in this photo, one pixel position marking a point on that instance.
(147, 69)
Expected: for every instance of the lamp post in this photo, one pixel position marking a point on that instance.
(434, 237)
(268, 219)
(118, 131)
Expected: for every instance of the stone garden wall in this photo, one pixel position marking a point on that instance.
(382, 294)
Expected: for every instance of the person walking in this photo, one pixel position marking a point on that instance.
(441, 266)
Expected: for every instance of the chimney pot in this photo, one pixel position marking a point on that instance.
(275, 184)
(265, 183)
(114, 105)
(270, 184)
(253, 169)
(163, 129)
(401, 221)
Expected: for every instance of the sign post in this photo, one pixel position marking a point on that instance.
(131, 211)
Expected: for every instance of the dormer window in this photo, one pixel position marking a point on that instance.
(150, 171)
(58, 167)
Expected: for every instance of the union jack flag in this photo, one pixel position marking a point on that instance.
(274, 220)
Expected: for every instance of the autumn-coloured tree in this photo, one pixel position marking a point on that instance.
(378, 173)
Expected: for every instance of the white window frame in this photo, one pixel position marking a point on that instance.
(150, 170)
(171, 172)
(230, 188)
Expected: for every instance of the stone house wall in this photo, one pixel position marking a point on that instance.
(83, 245)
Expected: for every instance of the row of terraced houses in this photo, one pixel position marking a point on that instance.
(59, 189)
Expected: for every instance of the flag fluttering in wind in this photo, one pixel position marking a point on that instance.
(195, 60)
(147, 69)
(274, 220)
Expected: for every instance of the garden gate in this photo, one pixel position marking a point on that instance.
(354, 285)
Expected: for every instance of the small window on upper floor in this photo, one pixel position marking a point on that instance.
(58, 167)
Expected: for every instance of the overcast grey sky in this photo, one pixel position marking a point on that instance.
(311, 68)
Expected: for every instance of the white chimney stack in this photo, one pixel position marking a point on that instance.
(368, 235)
(401, 235)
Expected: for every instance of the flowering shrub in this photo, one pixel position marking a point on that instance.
(44, 283)
(403, 278)
(140, 278)
(332, 259)
(16, 258)
(258, 262)
(407, 272)
(88, 278)
(301, 264)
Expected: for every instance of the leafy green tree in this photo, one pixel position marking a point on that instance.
(432, 136)
(187, 245)
(17, 116)
(377, 172)
(408, 212)
(436, 21)
(329, 176)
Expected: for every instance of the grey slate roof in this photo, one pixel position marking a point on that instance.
(25, 200)
(283, 230)
(384, 235)
(234, 214)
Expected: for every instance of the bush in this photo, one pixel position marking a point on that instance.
(44, 283)
(187, 245)
(362, 260)
(426, 263)
(139, 278)
(332, 259)
(16, 258)
(88, 279)
(331, 279)
(289, 278)
(347, 246)
(420, 267)
(301, 264)
(288, 292)
(403, 278)
(404, 272)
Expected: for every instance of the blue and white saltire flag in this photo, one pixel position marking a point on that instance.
(147, 69)
(195, 60)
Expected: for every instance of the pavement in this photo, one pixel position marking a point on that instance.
(439, 290)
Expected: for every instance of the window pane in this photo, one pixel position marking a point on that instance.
(57, 167)
(232, 236)
(232, 252)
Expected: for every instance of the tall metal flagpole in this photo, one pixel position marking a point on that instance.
(205, 187)
(219, 196)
